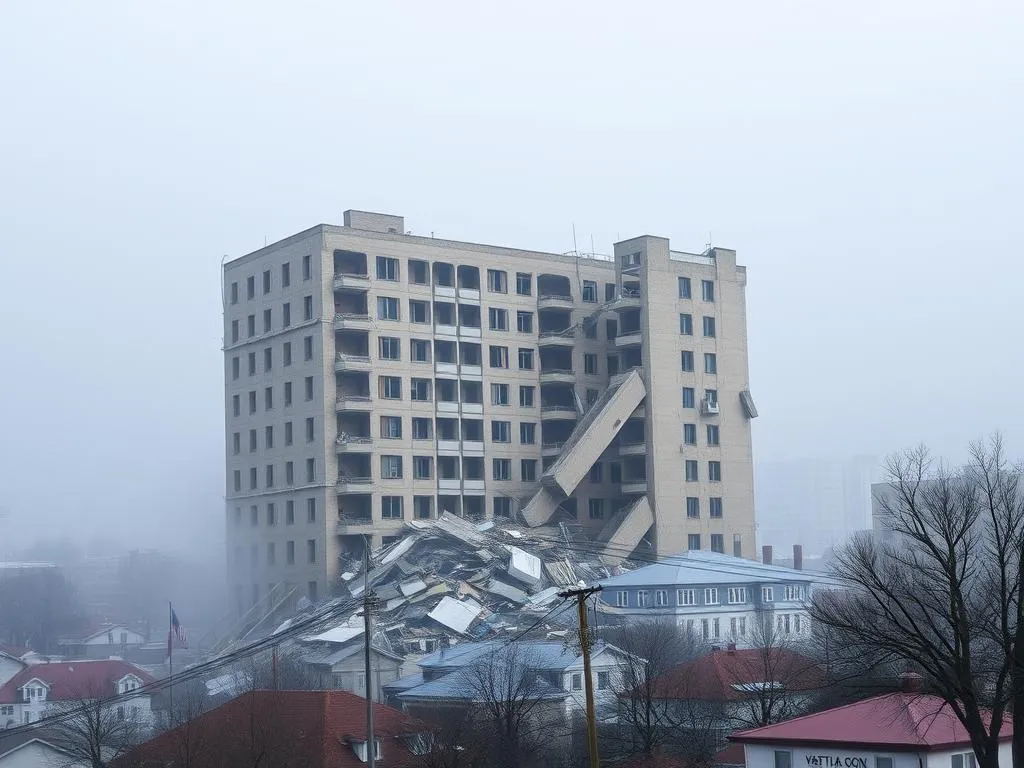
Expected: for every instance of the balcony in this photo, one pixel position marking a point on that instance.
(469, 295)
(473, 408)
(359, 403)
(446, 369)
(471, 371)
(634, 486)
(347, 524)
(353, 444)
(348, 321)
(557, 412)
(629, 298)
(349, 484)
(448, 447)
(351, 281)
(447, 406)
(551, 449)
(474, 487)
(557, 376)
(444, 291)
(441, 329)
(469, 331)
(345, 362)
(633, 448)
(629, 339)
(473, 447)
(709, 407)
(449, 484)
(554, 301)
(557, 339)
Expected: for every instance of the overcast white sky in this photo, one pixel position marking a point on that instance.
(865, 160)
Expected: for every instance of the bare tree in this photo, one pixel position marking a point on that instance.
(96, 727)
(513, 711)
(939, 592)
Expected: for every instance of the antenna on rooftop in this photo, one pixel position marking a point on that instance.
(575, 250)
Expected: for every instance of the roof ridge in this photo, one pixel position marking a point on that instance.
(810, 715)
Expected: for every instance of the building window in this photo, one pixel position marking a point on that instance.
(269, 476)
(525, 397)
(711, 596)
(497, 281)
(497, 319)
(691, 471)
(307, 267)
(622, 599)
(589, 291)
(577, 681)
(499, 394)
(604, 682)
(419, 350)
(252, 363)
(236, 443)
(526, 359)
(310, 429)
(268, 320)
(784, 759)
(268, 359)
(387, 268)
(422, 507)
(793, 592)
(590, 364)
(712, 430)
(502, 506)
(642, 597)
(250, 287)
(289, 512)
(886, 762)
(684, 288)
(686, 358)
(502, 469)
(307, 308)
(498, 356)
(690, 434)
(268, 398)
(235, 367)
(289, 553)
(767, 594)
(693, 542)
(709, 327)
(308, 387)
(421, 428)
(528, 470)
(287, 353)
(310, 470)
(286, 274)
(390, 348)
(737, 595)
(391, 467)
(287, 433)
(710, 363)
(596, 474)
(715, 471)
(418, 272)
(419, 311)
(311, 551)
(715, 506)
(422, 467)
(387, 308)
(501, 431)
(286, 315)
(252, 401)
(524, 322)
(692, 507)
(420, 390)
(707, 290)
(596, 509)
(234, 293)
(391, 387)
(250, 323)
(527, 433)
(686, 597)
(391, 427)
(289, 468)
(686, 325)
(391, 507)
(613, 364)
(234, 331)
(524, 283)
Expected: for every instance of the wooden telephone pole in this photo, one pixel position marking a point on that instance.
(581, 596)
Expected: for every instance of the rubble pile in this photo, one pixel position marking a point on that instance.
(452, 578)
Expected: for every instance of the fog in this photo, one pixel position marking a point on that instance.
(864, 160)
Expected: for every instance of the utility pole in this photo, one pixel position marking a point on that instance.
(371, 757)
(581, 596)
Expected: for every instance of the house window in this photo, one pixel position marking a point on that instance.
(502, 469)
(502, 506)
(268, 321)
(418, 272)
(792, 592)
(497, 281)
(391, 427)
(686, 361)
(391, 467)
(689, 397)
(690, 434)
(712, 435)
(526, 396)
(613, 364)
(359, 747)
(596, 474)
(710, 363)
(784, 759)
(391, 387)
(596, 509)
(691, 471)
(692, 507)
(737, 595)
(718, 543)
(390, 348)
(311, 551)
(590, 291)
(497, 319)
(686, 597)
(707, 290)
(501, 431)
(286, 315)
(660, 598)
(391, 507)
(577, 681)
(419, 350)
(684, 288)
(420, 389)
(527, 432)
(524, 322)
(528, 470)
(767, 594)
(604, 681)
(498, 356)
(622, 599)
(419, 311)
(715, 471)
(590, 363)
(642, 598)
(526, 359)
(686, 325)
(711, 596)
(709, 327)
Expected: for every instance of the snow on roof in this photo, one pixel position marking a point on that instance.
(342, 633)
(707, 568)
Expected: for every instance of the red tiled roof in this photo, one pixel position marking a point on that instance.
(311, 728)
(722, 675)
(70, 680)
(893, 721)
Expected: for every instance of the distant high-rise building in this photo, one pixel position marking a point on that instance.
(817, 503)
(375, 377)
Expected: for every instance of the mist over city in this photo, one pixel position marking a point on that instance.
(826, 195)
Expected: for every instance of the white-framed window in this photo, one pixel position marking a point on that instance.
(604, 682)
(622, 599)
(793, 592)
(686, 597)
(660, 597)
(711, 596)
(359, 747)
(577, 681)
(737, 595)
(963, 760)
(784, 758)
(642, 598)
(767, 594)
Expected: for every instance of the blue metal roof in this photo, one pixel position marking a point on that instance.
(536, 654)
(697, 568)
(461, 686)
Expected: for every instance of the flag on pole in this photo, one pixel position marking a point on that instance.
(177, 634)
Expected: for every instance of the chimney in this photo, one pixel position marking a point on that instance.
(910, 682)
(798, 557)
(731, 648)
(766, 554)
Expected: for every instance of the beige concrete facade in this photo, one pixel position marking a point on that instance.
(421, 375)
